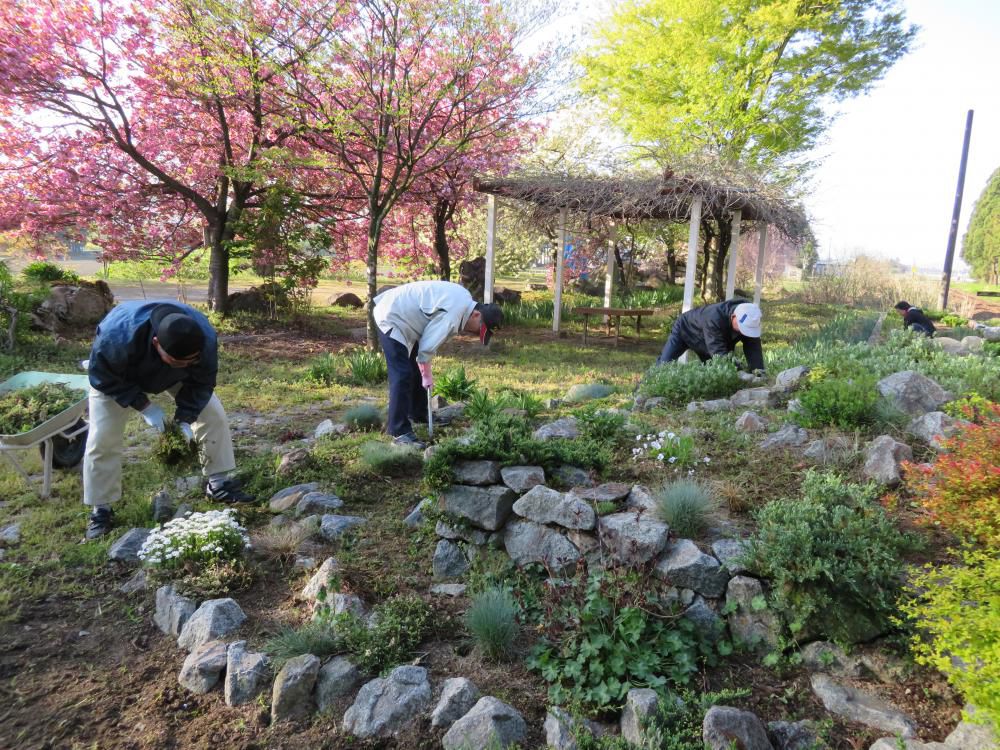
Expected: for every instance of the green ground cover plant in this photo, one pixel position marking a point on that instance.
(390, 460)
(363, 418)
(396, 628)
(833, 558)
(684, 505)
(492, 622)
(955, 614)
(839, 402)
(25, 408)
(692, 381)
(195, 542)
(600, 424)
(606, 632)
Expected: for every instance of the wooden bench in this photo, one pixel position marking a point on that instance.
(612, 312)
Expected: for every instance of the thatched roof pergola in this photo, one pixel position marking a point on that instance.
(671, 198)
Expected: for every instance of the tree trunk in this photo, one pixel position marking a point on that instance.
(671, 263)
(443, 211)
(706, 254)
(623, 291)
(218, 269)
(723, 242)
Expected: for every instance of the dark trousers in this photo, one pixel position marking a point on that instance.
(675, 347)
(407, 398)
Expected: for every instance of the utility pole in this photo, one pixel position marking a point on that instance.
(949, 255)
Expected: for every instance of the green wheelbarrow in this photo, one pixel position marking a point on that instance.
(61, 439)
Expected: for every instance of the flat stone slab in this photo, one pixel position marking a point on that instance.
(478, 473)
(126, 548)
(332, 527)
(528, 542)
(861, 707)
(633, 538)
(485, 507)
(289, 497)
(609, 492)
(448, 589)
(522, 478)
(318, 503)
(543, 505)
(683, 564)
(711, 406)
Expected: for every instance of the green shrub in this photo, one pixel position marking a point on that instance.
(367, 367)
(600, 425)
(839, 402)
(43, 272)
(492, 621)
(364, 418)
(390, 460)
(323, 369)
(609, 631)
(951, 320)
(684, 505)
(454, 384)
(692, 381)
(833, 558)
(315, 637)
(398, 625)
(955, 612)
(587, 392)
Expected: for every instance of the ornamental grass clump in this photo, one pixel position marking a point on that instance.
(386, 459)
(367, 367)
(363, 418)
(684, 505)
(195, 542)
(492, 622)
(25, 408)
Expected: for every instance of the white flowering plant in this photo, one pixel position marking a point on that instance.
(665, 447)
(197, 540)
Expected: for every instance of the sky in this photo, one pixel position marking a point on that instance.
(886, 183)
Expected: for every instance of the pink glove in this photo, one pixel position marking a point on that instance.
(426, 379)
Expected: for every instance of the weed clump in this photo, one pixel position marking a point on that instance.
(492, 621)
(173, 449)
(315, 637)
(397, 626)
(454, 385)
(386, 459)
(363, 418)
(323, 369)
(684, 505)
(26, 408)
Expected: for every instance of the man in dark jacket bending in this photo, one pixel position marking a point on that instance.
(151, 347)
(714, 330)
(915, 319)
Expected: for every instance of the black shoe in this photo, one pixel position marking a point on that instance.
(100, 523)
(409, 440)
(230, 491)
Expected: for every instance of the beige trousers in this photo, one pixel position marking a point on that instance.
(102, 463)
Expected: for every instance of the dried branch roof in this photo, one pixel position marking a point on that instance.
(649, 198)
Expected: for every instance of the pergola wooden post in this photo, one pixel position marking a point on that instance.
(491, 235)
(692, 260)
(560, 252)
(609, 279)
(734, 252)
(761, 247)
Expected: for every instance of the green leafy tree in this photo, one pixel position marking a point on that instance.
(981, 244)
(740, 81)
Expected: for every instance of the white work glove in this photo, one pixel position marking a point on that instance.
(426, 378)
(154, 417)
(186, 431)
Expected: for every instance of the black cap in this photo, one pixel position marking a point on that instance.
(903, 305)
(491, 318)
(178, 333)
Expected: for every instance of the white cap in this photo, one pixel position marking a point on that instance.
(748, 317)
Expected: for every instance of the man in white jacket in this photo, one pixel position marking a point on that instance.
(413, 320)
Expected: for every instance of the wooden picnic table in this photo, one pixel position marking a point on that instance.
(612, 312)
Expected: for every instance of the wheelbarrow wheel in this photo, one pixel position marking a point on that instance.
(67, 452)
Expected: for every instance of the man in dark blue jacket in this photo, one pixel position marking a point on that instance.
(152, 347)
(714, 331)
(915, 319)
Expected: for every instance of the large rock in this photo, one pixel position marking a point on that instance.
(387, 705)
(332, 526)
(212, 621)
(830, 450)
(337, 678)
(759, 397)
(292, 461)
(292, 692)
(797, 735)
(609, 492)
(325, 578)
(883, 458)
(522, 478)
(248, 674)
(458, 696)
(640, 705)
(479, 473)
(461, 532)
(72, 307)
(730, 553)
(448, 414)
(711, 406)
(684, 565)
(485, 507)
(572, 476)
(289, 497)
(203, 667)
(990, 333)
(788, 436)
(949, 346)
(970, 736)
(544, 505)
(449, 561)
(318, 503)
(633, 539)
(560, 428)
(973, 344)
(913, 393)
(758, 628)
(707, 619)
(751, 421)
(560, 730)
(855, 705)
(790, 378)
(126, 547)
(528, 542)
(347, 299)
(933, 427)
(640, 498)
(725, 727)
(898, 743)
(825, 656)
(172, 610)
(490, 723)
